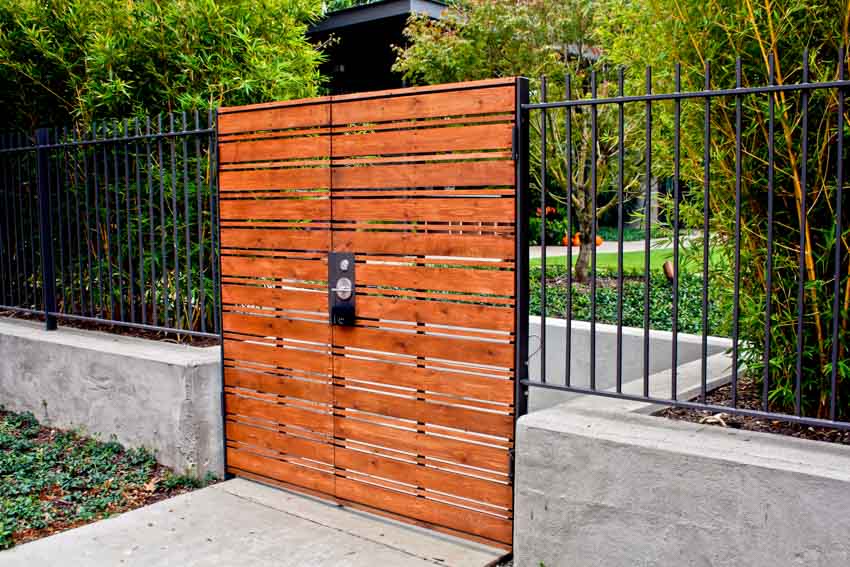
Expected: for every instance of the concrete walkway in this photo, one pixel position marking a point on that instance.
(612, 247)
(240, 522)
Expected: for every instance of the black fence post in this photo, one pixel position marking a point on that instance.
(523, 201)
(46, 230)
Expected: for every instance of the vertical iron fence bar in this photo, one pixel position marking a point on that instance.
(67, 190)
(768, 308)
(706, 184)
(140, 226)
(5, 143)
(131, 270)
(839, 195)
(543, 117)
(200, 223)
(215, 220)
(620, 226)
(162, 227)
(186, 220)
(677, 115)
(523, 198)
(154, 297)
(8, 295)
(116, 132)
(74, 151)
(569, 151)
(736, 283)
(12, 230)
(648, 232)
(804, 101)
(86, 211)
(175, 243)
(96, 173)
(58, 169)
(18, 187)
(26, 173)
(48, 279)
(106, 185)
(593, 181)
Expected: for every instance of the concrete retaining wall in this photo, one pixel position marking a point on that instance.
(158, 395)
(599, 485)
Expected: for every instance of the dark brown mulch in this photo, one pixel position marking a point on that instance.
(174, 337)
(749, 397)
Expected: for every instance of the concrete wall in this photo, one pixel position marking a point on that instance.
(599, 485)
(660, 356)
(158, 395)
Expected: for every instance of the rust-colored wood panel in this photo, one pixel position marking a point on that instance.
(320, 422)
(303, 360)
(422, 243)
(274, 118)
(494, 493)
(285, 299)
(271, 179)
(487, 423)
(280, 470)
(265, 239)
(424, 140)
(436, 312)
(454, 383)
(277, 327)
(275, 209)
(275, 440)
(281, 148)
(467, 209)
(480, 524)
(465, 350)
(287, 268)
(459, 174)
(280, 385)
(460, 452)
(493, 282)
(425, 105)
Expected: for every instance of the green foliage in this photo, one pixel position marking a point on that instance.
(80, 60)
(694, 32)
(50, 479)
(660, 301)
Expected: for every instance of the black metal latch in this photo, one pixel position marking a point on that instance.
(341, 293)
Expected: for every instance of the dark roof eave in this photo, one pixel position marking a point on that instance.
(376, 11)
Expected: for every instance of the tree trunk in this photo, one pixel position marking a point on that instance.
(582, 267)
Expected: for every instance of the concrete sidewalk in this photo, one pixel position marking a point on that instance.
(240, 522)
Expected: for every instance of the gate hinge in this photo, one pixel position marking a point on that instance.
(511, 465)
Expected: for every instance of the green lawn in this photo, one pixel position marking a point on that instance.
(633, 262)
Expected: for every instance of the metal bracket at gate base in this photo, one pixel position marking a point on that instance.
(341, 292)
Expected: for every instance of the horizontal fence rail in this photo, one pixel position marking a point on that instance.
(755, 215)
(113, 223)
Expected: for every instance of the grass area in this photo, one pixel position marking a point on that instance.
(52, 480)
(607, 261)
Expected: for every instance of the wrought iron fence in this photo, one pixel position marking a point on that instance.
(115, 222)
(781, 286)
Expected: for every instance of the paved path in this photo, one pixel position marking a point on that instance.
(240, 522)
(609, 246)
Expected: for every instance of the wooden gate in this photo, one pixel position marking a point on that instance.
(410, 411)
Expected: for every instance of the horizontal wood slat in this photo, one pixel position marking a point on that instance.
(284, 299)
(287, 268)
(426, 244)
(271, 179)
(466, 350)
(462, 174)
(280, 470)
(424, 412)
(276, 209)
(287, 239)
(495, 282)
(275, 118)
(426, 140)
(429, 105)
(481, 209)
(436, 312)
(275, 440)
(277, 327)
(484, 525)
(280, 385)
(456, 384)
(319, 422)
(282, 148)
(313, 361)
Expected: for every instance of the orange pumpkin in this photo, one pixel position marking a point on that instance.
(599, 241)
(577, 239)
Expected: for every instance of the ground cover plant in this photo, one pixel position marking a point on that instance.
(52, 480)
